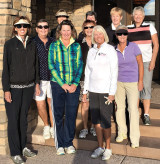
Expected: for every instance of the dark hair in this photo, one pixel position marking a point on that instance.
(91, 13)
(42, 20)
(69, 23)
(85, 23)
(14, 32)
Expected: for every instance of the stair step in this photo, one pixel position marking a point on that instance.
(149, 146)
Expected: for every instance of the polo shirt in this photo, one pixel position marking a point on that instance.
(43, 57)
(127, 63)
(143, 37)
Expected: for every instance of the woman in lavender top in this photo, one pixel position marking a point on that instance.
(130, 82)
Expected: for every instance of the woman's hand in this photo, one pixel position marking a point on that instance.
(37, 90)
(66, 87)
(140, 85)
(110, 98)
(84, 98)
(7, 96)
(72, 88)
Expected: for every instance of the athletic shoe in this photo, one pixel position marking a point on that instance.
(70, 150)
(134, 146)
(93, 131)
(60, 151)
(121, 137)
(146, 120)
(17, 159)
(46, 132)
(52, 132)
(83, 133)
(98, 152)
(28, 153)
(107, 154)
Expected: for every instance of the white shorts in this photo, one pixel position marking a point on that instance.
(46, 91)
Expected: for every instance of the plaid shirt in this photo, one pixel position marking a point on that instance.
(65, 63)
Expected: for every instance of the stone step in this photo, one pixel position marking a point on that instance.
(149, 147)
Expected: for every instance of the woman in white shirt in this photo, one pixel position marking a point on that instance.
(101, 83)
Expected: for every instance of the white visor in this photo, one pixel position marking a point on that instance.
(22, 21)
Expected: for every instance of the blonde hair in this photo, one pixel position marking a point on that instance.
(102, 30)
(116, 9)
(139, 8)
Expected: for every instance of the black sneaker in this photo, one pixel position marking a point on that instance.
(17, 159)
(146, 120)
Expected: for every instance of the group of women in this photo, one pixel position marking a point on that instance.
(108, 73)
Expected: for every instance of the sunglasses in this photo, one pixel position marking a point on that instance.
(87, 27)
(22, 25)
(120, 34)
(45, 27)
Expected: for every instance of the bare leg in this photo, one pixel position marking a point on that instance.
(99, 132)
(50, 111)
(84, 113)
(107, 135)
(42, 111)
(146, 104)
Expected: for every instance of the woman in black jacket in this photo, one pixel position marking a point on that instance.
(19, 77)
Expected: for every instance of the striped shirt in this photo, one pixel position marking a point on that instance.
(143, 37)
(65, 63)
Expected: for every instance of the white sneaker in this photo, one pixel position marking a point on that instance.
(121, 137)
(70, 150)
(60, 151)
(83, 133)
(107, 154)
(93, 131)
(46, 132)
(52, 132)
(98, 152)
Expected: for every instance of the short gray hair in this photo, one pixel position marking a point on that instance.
(138, 8)
(102, 30)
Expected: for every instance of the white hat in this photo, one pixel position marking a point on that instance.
(62, 13)
(22, 21)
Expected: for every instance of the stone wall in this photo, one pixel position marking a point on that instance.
(8, 10)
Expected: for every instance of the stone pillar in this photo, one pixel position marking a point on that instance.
(8, 10)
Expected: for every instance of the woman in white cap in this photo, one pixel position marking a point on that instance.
(60, 16)
(19, 77)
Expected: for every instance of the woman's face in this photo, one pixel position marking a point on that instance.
(116, 18)
(88, 28)
(21, 29)
(122, 37)
(66, 32)
(138, 16)
(42, 29)
(99, 37)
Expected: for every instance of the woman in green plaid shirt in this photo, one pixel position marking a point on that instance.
(66, 65)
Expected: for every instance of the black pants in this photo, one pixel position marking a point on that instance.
(17, 112)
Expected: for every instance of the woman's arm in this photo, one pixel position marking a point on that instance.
(155, 51)
(141, 71)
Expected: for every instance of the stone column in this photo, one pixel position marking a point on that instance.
(8, 10)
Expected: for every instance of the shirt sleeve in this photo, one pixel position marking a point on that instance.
(152, 29)
(79, 66)
(52, 64)
(114, 72)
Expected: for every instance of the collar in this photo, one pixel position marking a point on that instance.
(139, 26)
(84, 40)
(116, 47)
(71, 41)
(102, 45)
(40, 41)
(113, 27)
(19, 38)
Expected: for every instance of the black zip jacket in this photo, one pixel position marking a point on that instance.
(20, 65)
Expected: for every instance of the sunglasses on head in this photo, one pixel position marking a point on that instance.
(87, 27)
(45, 27)
(124, 33)
(22, 25)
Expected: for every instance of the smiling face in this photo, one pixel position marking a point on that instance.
(99, 38)
(88, 32)
(138, 16)
(122, 38)
(22, 32)
(66, 32)
(116, 18)
(44, 31)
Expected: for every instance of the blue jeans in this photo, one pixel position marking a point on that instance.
(64, 103)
